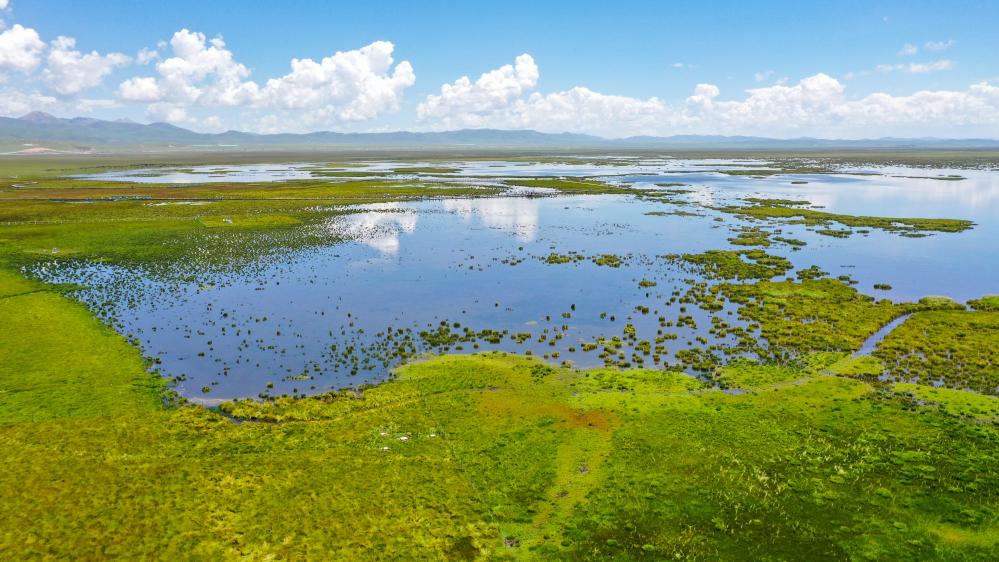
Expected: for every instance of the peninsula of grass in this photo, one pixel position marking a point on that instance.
(812, 217)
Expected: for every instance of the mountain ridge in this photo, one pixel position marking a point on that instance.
(40, 127)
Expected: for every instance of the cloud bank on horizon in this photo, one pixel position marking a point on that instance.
(195, 81)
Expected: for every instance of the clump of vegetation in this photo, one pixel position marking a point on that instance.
(607, 260)
(790, 241)
(556, 259)
(777, 202)
(730, 264)
(750, 236)
(988, 303)
(811, 272)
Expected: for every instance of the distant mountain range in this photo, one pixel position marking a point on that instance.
(37, 131)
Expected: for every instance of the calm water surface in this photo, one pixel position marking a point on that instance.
(315, 319)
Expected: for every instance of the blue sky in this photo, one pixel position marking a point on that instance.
(640, 64)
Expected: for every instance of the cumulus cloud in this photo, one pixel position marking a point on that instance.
(201, 71)
(347, 86)
(815, 105)
(493, 90)
(69, 72)
(704, 94)
(20, 49)
(908, 50)
(4, 4)
(344, 87)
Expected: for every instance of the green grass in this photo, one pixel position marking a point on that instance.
(57, 361)
(951, 347)
(729, 264)
(858, 366)
(953, 402)
(811, 315)
(744, 374)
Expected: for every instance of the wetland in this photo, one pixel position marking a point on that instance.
(573, 356)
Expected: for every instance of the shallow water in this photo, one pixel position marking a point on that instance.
(317, 319)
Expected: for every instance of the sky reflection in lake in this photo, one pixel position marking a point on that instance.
(479, 263)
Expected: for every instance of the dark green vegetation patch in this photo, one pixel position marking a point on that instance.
(959, 349)
(735, 264)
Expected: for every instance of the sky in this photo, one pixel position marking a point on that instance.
(615, 69)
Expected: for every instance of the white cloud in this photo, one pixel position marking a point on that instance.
(168, 112)
(704, 95)
(917, 67)
(145, 89)
(69, 72)
(931, 66)
(20, 49)
(816, 105)
(939, 45)
(347, 86)
(763, 76)
(908, 50)
(491, 91)
(4, 4)
(15, 103)
(201, 72)
(146, 55)
(212, 124)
